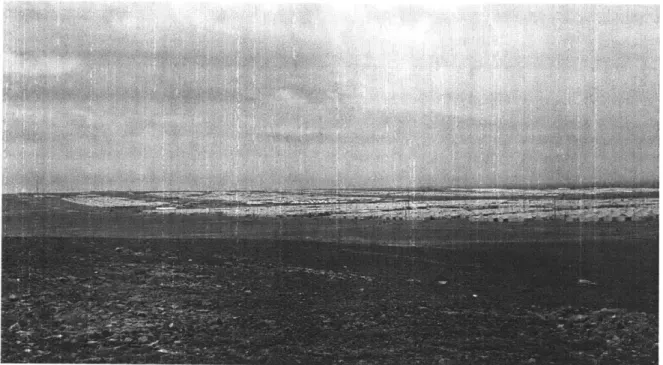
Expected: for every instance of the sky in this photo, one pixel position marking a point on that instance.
(175, 96)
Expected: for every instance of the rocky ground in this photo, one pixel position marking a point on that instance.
(221, 301)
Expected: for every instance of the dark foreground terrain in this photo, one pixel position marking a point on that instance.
(266, 301)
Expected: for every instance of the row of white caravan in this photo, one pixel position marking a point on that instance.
(513, 213)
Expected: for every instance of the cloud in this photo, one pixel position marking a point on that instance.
(242, 87)
(47, 65)
(289, 97)
(199, 33)
(166, 51)
(379, 56)
(344, 138)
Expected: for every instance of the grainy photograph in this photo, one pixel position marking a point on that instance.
(319, 183)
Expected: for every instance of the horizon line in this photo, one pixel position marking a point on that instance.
(651, 185)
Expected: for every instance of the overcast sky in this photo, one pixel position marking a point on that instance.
(202, 97)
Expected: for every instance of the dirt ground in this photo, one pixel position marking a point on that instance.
(287, 301)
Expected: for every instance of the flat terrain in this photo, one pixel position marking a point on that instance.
(262, 292)
(96, 223)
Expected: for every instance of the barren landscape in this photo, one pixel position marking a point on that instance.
(89, 284)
